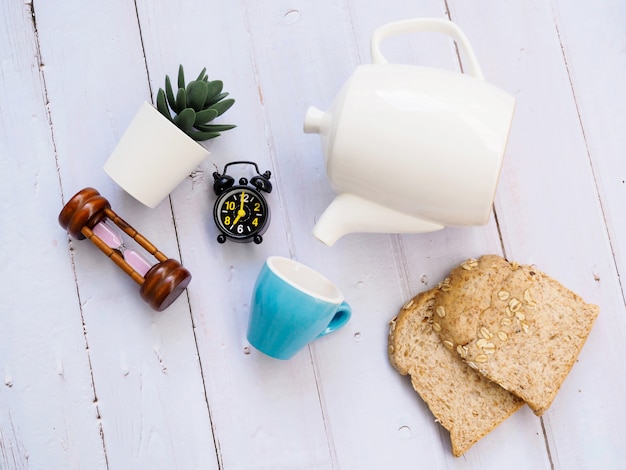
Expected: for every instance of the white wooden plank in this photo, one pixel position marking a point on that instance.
(362, 400)
(549, 215)
(269, 408)
(593, 38)
(423, 261)
(48, 413)
(338, 404)
(145, 364)
(593, 67)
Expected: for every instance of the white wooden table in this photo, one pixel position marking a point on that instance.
(92, 378)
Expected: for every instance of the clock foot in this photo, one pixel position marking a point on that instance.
(258, 239)
(221, 239)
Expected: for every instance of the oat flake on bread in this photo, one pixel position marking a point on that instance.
(515, 325)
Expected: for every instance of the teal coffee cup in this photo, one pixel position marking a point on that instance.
(291, 306)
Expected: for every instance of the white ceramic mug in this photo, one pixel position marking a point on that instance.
(411, 148)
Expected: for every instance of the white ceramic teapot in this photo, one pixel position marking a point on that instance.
(412, 149)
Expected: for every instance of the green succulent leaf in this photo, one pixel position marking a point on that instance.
(185, 119)
(181, 77)
(181, 100)
(222, 106)
(200, 136)
(214, 127)
(202, 74)
(162, 104)
(169, 94)
(193, 106)
(215, 99)
(196, 94)
(215, 88)
(206, 115)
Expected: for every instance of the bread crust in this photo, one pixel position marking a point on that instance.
(463, 401)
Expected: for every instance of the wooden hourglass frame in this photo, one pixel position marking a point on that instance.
(161, 284)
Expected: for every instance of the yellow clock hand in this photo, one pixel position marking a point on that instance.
(241, 212)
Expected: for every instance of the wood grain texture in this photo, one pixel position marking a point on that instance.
(141, 360)
(91, 377)
(543, 169)
(49, 413)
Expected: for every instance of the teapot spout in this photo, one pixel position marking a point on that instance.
(316, 121)
(352, 214)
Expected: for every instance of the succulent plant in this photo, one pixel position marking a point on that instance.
(195, 105)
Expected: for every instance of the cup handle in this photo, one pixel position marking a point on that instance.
(434, 25)
(342, 315)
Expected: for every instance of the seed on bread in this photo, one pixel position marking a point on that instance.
(527, 296)
(445, 285)
(485, 333)
(503, 295)
(440, 311)
(469, 264)
(514, 305)
(530, 302)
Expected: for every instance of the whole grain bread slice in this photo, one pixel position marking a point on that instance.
(514, 324)
(465, 403)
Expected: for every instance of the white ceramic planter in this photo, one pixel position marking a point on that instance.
(153, 157)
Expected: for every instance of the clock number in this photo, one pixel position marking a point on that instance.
(240, 214)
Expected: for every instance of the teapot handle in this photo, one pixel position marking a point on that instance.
(435, 25)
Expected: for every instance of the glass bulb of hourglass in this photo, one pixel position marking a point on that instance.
(113, 239)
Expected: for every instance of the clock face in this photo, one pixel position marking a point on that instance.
(241, 213)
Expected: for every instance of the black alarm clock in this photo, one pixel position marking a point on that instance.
(241, 212)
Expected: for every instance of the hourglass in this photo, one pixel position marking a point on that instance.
(88, 215)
